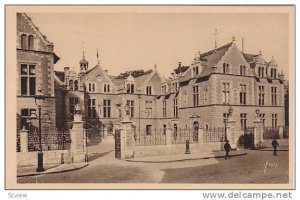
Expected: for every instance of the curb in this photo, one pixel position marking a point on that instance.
(187, 159)
(54, 172)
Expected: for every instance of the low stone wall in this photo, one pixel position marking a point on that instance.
(50, 157)
(141, 151)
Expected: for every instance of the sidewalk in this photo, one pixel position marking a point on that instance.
(185, 157)
(280, 148)
(49, 169)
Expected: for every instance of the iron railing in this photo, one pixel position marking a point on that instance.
(270, 133)
(49, 141)
(180, 136)
(214, 134)
(149, 138)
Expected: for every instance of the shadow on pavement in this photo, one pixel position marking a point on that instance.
(98, 155)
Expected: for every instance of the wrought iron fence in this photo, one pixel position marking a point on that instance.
(149, 138)
(285, 132)
(270, 133)
(214, 134)
(180, 136)
(49, 141)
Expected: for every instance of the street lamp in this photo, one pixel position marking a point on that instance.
(39, 101)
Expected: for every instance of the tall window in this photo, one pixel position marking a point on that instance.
(73, 102)
(91, 87)
(92, 108)
(25, 114)
(261, 71)
(243, 121)
(196, 95)
(30, 42)
(243, 94)
(274, 96)
(225, 93)
(242, 70)
(175, 131)
(71, 85)
(164, 109)
(164, 89)
(262, 117)
(106, 88)
(261, 95)
(130, 104)
(23, 41)
(28, 79)
(175, 108)
(130, 88)
(164, 129)
(149, 90)
(106, 108)
(76, 85)
(273, 73)
(274, 120)
(225, 68)
(148, 107)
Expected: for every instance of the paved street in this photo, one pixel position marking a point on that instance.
(255, 167)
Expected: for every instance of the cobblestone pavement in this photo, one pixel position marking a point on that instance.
(104, 168)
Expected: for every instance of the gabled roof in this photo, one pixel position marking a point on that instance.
(249, 57)
(60, 75)
(213, 56)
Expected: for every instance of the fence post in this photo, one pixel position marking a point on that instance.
(200, 135)
(23, 140)
(258, 132)
(78, 150)
(280, 132)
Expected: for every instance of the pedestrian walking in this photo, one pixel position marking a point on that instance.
(275, 145)
(227, 148)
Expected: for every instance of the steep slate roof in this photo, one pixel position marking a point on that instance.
(88, 73)
(60, 75)
(249, 57)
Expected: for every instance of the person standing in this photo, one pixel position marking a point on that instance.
(275, 145)
(227, 148)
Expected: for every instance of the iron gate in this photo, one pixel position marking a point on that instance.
(249, 138)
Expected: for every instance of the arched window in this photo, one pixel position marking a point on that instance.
(175, 131)
(30, 42)
(75, 85)
(23, 42)
(206, 127)
(195, 127)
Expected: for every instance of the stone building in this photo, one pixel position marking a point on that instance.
(35, 69)
(194, 96)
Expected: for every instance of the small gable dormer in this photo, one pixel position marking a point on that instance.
(130, 84)
(272, 69)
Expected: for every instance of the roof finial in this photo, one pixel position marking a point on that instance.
(83, 49)
(216, 33)
(233, 38)
(98, 56)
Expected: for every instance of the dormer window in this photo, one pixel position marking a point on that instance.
(71, 84)
(273, 73)
(91, 87)
(106, 88)
(225, 68)
(261, 71)
(130, 88)
(23, 41)
(30, 42)
(242, 70)
(149, 90)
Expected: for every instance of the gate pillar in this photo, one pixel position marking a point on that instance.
(126, 139)
(258, 132)
(23, 140)
(231, 133)
(78, 146)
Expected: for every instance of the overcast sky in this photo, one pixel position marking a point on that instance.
(130, 41)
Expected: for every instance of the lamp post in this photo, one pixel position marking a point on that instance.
(39, 101)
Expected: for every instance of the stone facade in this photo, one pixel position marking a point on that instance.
(35, 69)
(202, 92)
